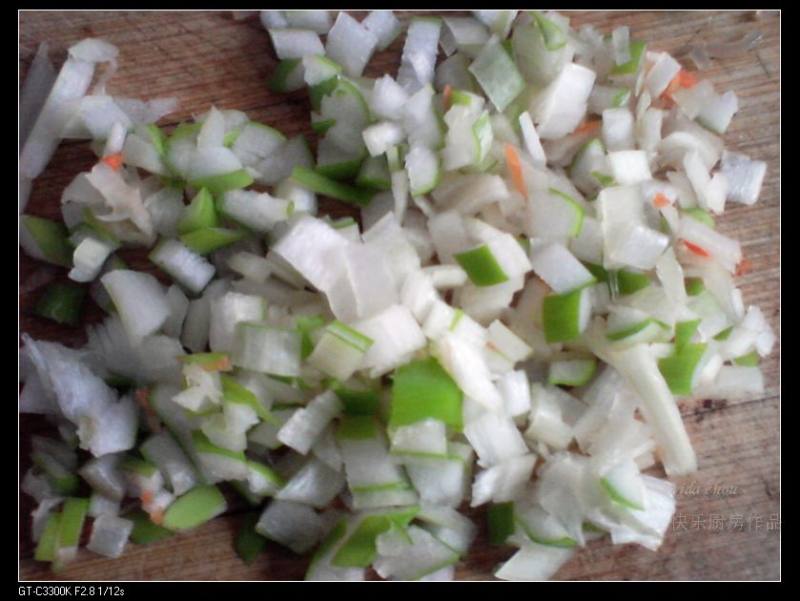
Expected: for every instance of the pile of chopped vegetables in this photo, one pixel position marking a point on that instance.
(534, 280)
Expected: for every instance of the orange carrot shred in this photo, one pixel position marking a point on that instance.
(142, 396)
(447, 96)
(587, 126)
(660, 201)
(146, 497)
(684, 79)
(744, 266)
(221, 364)
(687, 79)
(114, 161)
(697, 250)
(512, 159)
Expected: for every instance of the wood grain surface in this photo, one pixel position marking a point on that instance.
(727, 523)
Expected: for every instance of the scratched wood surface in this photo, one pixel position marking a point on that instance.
(727, 524)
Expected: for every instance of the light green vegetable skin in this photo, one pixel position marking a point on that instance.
(481, 266)
(500, 520)
(62, 303)
(249, 544)
(51, 238)
(321, 184)
(194, 508)
(561, 316)
(199, 214)
(359, 549)
(423, 389)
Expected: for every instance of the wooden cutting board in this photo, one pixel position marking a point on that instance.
(727, 524)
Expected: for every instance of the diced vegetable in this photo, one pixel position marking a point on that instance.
(194, 508)
(422, 390)
(359, 381)
(61, 303)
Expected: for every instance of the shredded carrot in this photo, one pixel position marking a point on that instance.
(697, 250)
(660, 201)
(114, 161)
(447, 96)
(512, 159)
(146, 497)
(589, 125)
(743, 267)
(157, 516)
(221, 364)
(683, 80)
(664, 102)
(687, 79)
(142, 396)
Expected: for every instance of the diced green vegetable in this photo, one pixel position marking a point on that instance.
(145, 531)
(694, 286)
(249, 544)
(288, 76)
(700, 215)
(423, 389)
(158, 138)
(554, 36)
(70, 528)
(199, 214)
(196, 507)
(48, 540)
(357, 427)
(209, 361)
(571, 372)
(598, 271)
(50, 239)
(233, 392)
(680, 368)
(327, 545)
(359, 550)
(603, 179)
(374, 173)
(320, 126)
(63, 481)
(481, 266)
(684, 330)
(358, 402)
(637, 52)
(629, 282)
(337, 165)
(230, 138)
(62, 303)
(621, 98)
(317, 92)
(751, 359)
(561, 316)
(306, 325)
(208, 239)
(99, 229)
(349, 335)
(218, 184)
(724, 334)
(326, 186)
(500, 519)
